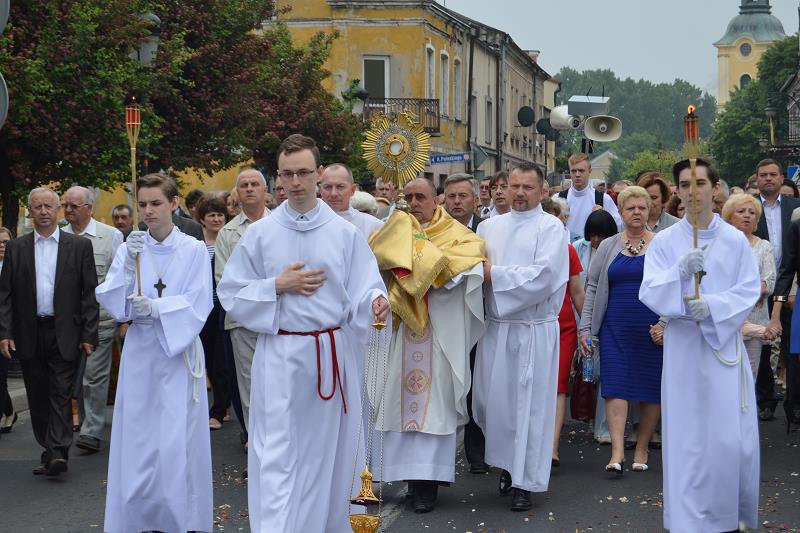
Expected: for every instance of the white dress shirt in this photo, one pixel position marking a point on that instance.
(308, 215)
(774, 230)
(91, 231)
(46, 254)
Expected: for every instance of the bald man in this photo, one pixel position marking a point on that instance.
(437, 298)
(251, 186)
(78, 211)
(336, 188)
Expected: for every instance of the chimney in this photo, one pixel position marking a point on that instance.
(534, 55)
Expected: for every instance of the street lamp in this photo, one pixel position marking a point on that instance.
(145, 54)
(772, 113)
(360, 101)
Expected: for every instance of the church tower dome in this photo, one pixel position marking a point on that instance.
(748, 35)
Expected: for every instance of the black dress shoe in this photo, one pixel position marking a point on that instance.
(56, 467)
(504, 486)
(521, 500)
(479, 468)
(40, 470)
(425, 493)
(766, 413)
(244, 473)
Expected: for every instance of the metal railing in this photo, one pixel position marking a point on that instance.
(426, 110)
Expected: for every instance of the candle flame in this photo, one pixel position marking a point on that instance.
(691, 109)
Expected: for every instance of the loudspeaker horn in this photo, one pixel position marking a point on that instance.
(560, 119)
(603, 128)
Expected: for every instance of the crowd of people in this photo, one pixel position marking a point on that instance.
(493, 291)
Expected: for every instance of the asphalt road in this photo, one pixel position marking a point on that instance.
(582, 497)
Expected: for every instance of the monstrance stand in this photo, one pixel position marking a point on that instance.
(133, 124)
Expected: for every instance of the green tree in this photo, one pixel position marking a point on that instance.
(222, 90)
(742, 125)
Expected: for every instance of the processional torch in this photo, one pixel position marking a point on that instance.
(396, 150)
(133, 124)
(691, 134)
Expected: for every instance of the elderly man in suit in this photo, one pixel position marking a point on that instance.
(461, 200)
(773, 226)
(48, 317)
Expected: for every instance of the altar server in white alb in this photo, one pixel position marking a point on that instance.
(307, 282)
(159, 469)
(336, 188)
(708, 406)
(516, 369)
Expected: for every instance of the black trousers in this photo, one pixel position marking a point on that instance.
(6, 408)
(474, 441)
(213, 345)
(48, 383)
(765, 379)
(791, 402)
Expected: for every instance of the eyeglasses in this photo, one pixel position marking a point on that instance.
(75, 206)
(484, 187)
(302, 173)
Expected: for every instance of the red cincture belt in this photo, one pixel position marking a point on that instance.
(337, 379)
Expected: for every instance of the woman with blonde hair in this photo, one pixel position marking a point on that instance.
(630, 360)
(743, 211)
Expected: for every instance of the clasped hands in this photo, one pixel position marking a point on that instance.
(295, 280)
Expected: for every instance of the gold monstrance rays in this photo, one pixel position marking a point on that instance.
(396, 149)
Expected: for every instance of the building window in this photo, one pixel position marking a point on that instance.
(430, 73)
(745, 49)
(444, 80)
(375, 76)
(457, 89)
(488, 121)
(744, 80)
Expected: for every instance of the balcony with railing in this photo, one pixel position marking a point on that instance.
(426, 110)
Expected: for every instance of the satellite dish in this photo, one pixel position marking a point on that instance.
(525, 116)
(543, 126)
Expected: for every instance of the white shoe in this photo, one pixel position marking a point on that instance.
(640, 467)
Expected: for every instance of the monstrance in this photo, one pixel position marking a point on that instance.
(396, 149)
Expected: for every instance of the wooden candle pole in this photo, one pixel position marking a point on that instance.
(133, 124)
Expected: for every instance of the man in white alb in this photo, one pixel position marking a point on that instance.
(582, 198)
(305, 280)
(336, 187)
(516, 371)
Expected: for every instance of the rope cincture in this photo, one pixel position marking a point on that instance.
(337, 379)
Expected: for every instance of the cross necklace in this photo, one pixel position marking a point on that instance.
(160, 285)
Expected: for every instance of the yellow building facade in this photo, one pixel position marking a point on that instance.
(465, 80)
(746, 39)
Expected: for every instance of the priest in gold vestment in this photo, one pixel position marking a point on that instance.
(433, 266)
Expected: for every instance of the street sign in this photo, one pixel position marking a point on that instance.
(441, 159)
(793, 172)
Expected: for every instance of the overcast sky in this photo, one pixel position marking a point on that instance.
(658, 40)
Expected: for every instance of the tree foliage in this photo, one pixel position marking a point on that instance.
(225, 88)
(742, 125)
(651, 113)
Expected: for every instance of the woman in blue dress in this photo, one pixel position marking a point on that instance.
(630, 360)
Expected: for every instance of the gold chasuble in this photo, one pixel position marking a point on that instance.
(418, 259)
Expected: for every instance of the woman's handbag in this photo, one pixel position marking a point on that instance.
(583, 394)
